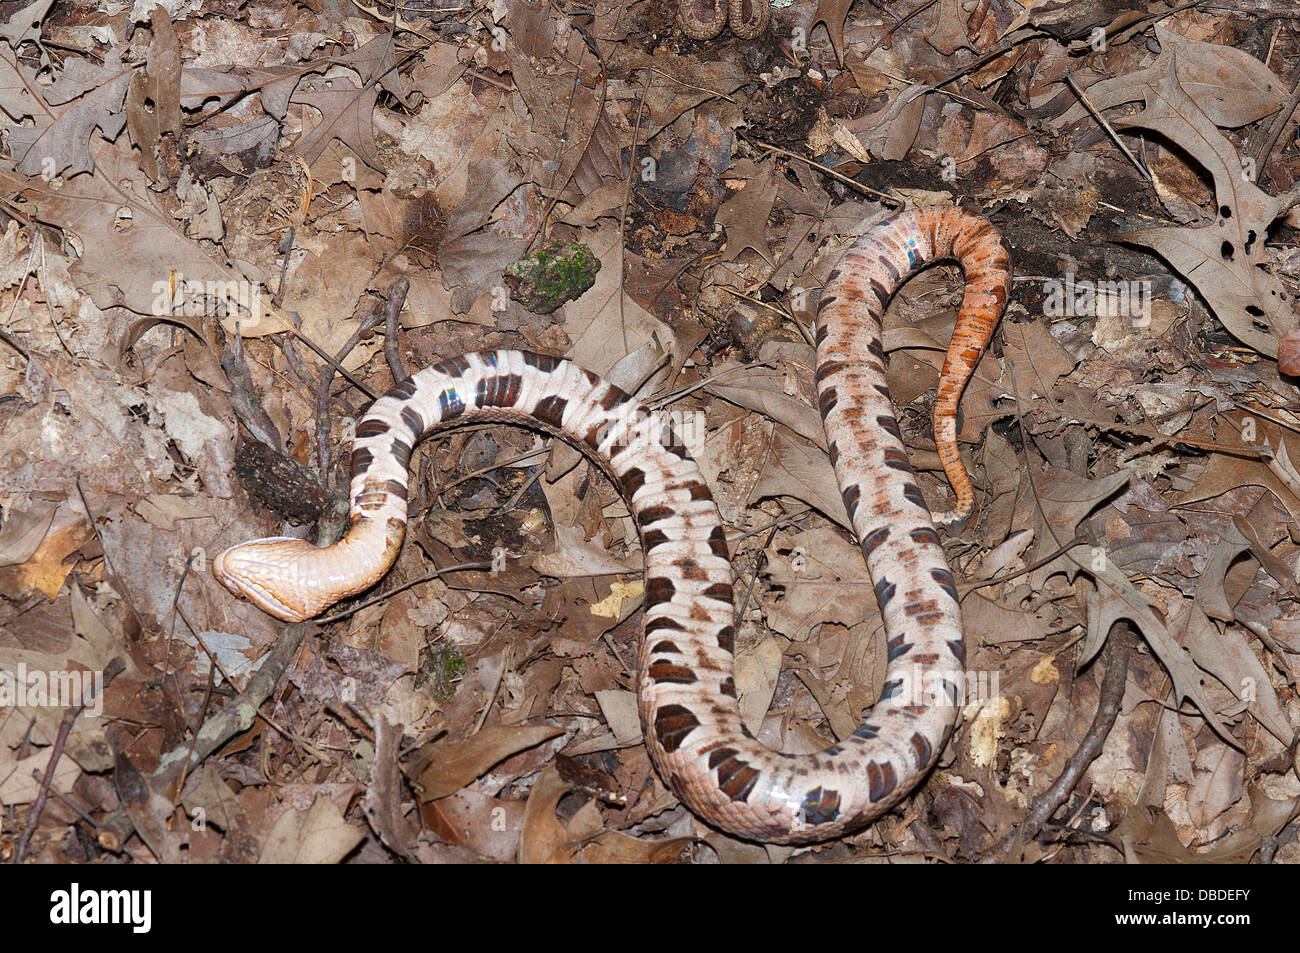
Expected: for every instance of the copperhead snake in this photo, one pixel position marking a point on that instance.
(705, 19)
(688, 700)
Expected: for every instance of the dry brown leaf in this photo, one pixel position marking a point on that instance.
(1151, 837)
(149, 811)
(1210, 596)
(133, 254)
(447, 766)
(696, 81)
(25, 24)
(543, 839)
(817, 576)
(605, 324)
(989, 622)
(780, 389)
(476, 249)
(46, 569)
(1226, 656)
(1216, 785)
(615, 847)
(892, 131)
(1225, 471)
(1116, 599)
(23, 532)
(833, 13)
(21, 778)
(756, 672)
(164, 509)
(318, 835)
(347, 114)
(1040, 362)
(153, 105)
(620, 710)
(745, 214)
(1224, 260)
(489, 825)
(575, 555)
(795, 468)
(347, 109)
(1229, 85)
(385, 793)
(58, 140)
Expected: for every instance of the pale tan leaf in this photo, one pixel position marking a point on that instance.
(318, 835)
(1226, 656)
(1232, 87)
(776, 390)
(756, 674)
(620, 710)
(817, 576)
(20, 779)
(133, 252)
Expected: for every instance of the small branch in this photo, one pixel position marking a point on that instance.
(1036, 564)
(243, 397)
(866, 190)
(237, 717)
(396, 298)
(1116, 655)
(1110, 130)
(111, 671)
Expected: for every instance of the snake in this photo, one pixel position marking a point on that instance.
(705, 19)
(687, 694)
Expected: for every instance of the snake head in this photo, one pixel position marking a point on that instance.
(268, 573)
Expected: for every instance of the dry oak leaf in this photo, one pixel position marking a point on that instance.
(58, 141)
(1224, 261)
(25, 24)
(833, 13)
(45, 570)
(347, 114)
(1226, 656)
(606, 326)
(889, 132)
(696, 81)
(821, 577)
(132, 253)
(543, 839)
(153, 106)
(1065, 499)
(475, 249)
(347, 110)
(773, 389)
(1150, 837)
(798, 469)
(1225, 472)
(1229, 86)
(486, 824)
(1115, 599)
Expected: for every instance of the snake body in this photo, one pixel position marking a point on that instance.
(688, 699)
(705, 19)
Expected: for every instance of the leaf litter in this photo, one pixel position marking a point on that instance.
(216, 248)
